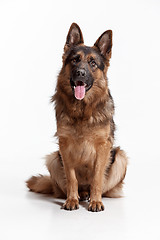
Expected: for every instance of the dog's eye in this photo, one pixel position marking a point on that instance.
(76, 59)
(93, 63)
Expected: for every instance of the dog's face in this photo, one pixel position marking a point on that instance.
(84, 66)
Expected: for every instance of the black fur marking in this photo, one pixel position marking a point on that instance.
(60, 159)
(112, 160)
(113, 154)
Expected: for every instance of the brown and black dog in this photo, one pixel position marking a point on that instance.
(87, 166)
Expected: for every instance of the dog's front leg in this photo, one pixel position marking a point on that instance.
(102, 161)
(72, 189)
(72, 201)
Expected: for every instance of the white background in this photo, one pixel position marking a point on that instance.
(32, 36)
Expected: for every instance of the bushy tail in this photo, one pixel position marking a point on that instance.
(40, 184)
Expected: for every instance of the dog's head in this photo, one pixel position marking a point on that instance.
(85, 67)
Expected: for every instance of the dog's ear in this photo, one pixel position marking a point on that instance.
(74, 36)
(104, 44)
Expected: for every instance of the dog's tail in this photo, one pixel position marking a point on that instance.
(40, 184)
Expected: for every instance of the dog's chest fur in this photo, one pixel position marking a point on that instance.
(80, 144)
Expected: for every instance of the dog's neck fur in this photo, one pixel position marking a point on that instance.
(98, 111)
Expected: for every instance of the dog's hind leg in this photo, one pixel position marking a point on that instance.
(113, 181)
(55, 167)
(55, 183)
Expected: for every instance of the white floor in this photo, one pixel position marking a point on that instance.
(26, 215)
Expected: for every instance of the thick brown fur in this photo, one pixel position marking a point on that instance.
(87, 166)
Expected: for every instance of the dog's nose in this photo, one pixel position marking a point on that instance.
(81, 72)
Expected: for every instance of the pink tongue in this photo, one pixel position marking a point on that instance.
(79, 92)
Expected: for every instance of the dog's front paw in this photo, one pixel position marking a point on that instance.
(71, 204)
(95, 206)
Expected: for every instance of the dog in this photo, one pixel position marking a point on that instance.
(87, 166)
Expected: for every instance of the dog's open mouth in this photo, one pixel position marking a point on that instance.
(80, 88)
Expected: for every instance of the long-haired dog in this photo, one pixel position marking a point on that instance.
(87, 165)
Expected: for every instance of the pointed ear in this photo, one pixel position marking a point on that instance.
(104, 43)
(74, 36)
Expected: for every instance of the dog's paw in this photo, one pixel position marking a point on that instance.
(95, 206)
(71, 204)
(84, 195)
